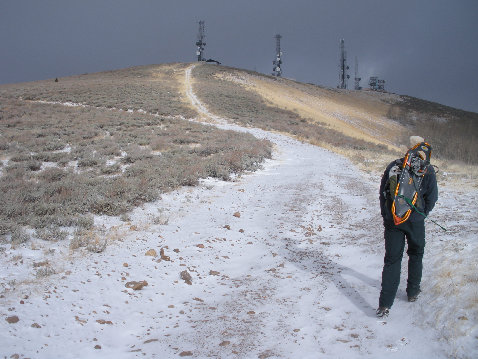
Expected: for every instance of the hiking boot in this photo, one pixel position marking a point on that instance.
(382, 312)
(414, 298)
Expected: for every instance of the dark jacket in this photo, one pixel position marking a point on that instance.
(427, 196)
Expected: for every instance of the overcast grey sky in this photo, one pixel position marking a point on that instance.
(427, 49)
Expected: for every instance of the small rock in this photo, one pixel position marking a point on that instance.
(36, 325)
(462, 318)
(186, 277)
(213, 272)
(97, 346)
(186, 354)
(200, 245)
(12, 320)
(228, 227)
(150, 341)
(151, 253)
(81, 321)
(125, 264)
(241, 230)
(237, 214)
(102, 321)
(163, 256)
(136, 285)
(224, 343)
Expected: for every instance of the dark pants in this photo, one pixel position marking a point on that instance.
(395, 236)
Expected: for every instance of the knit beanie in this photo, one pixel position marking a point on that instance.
(415, 139)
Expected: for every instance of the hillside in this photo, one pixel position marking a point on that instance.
(358, 124)
(354, 123)
(204, 211)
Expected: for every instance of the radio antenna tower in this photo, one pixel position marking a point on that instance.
(343, 67)
(357, 79)
(200, 42)
(277, 69)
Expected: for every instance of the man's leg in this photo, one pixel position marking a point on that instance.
(394, 244)
(416, 248)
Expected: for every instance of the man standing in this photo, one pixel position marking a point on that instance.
(409, 226)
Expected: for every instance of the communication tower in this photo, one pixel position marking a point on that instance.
(277, 63)
(343, 77)
(200, 41)
(357, 79)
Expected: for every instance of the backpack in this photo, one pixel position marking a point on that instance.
(404, 181)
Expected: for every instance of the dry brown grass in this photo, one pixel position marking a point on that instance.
(154, 89)
(226, 98)
(354, 114)
(453, 133)
(60, 164)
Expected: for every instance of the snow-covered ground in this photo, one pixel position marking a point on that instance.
(283, 263)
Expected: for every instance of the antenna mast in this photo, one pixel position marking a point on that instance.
(277, 70)
(357, 79)
(200, 42)
(343, 67)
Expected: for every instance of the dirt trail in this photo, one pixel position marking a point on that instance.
(205, 115)
(305, 260)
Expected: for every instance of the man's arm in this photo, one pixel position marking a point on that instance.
(382, 189)
(431, 195)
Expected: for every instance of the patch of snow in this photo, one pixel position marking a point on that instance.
(67, 103)
(46, 165)
(67, 149)
(4, 164)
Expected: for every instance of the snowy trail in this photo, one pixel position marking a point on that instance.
(284, 263)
